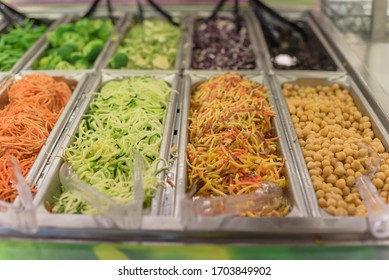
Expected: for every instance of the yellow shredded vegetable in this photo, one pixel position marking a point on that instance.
(232, 145)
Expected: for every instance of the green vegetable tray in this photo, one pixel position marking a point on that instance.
(43, 58)
(159, 55)
(32, 49)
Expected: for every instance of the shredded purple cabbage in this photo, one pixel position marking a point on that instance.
(217, 45)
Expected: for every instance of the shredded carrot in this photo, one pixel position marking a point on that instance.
(232, 147)
(170, 182)
(35, 103)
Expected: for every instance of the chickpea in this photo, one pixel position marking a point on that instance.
(314, 172)
(364, 119)
(318, 157)
(355, 165)
(341, 184)
(327, 171)
(339, 171)
(328, 196)
(349, 172)
(320, 194)
(346, 191)
(341, 156)
(322, 202)
(378, 183)
(381, 176)
(350, 198)
(358, 174)
(350, 181)
(358, 202)
(310, 163)
(337, 192)
(331, 179)
(326, 163)
(330, 210)
(326, 188)
(357, 115)
(317, 184)
(351, 209)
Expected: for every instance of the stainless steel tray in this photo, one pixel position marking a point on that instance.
(234, 223)
(50, 183)
(44, 44)
(48, 147)
(313, 79)
(265, 55)
(247, 17)
(129, 23)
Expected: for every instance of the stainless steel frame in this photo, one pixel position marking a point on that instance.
(306, 222)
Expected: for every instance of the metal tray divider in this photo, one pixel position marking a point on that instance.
(293, 174)
(159, 197)
(118, 26)
(116, 38)
(181, 181)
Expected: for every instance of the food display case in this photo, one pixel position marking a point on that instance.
(304, 79)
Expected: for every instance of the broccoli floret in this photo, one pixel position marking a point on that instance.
(82, 24)
(74, 38)
(64, 65)
(54, 60)
(105, 31)
(55, 37)
(93, 49)
(95, 25)
(66, 50)
(81, 64)
(118, 61)
(75, 56)
(43, 62)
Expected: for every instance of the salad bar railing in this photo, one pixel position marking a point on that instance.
(160, 141)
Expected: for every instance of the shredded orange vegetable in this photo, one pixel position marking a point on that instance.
(232, 145)
(35, 102)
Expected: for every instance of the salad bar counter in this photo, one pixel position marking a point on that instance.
(224, 129)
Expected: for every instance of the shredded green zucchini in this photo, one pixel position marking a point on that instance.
(125, 115)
